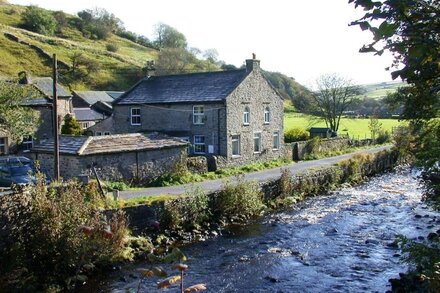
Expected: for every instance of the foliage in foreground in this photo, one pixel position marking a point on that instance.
(240, 198)
(56, 235)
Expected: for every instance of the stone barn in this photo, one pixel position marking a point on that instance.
(132, 157)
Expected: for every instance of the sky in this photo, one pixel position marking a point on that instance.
(301, 39)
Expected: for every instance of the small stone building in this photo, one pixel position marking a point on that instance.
(128, 157)
(235, 116)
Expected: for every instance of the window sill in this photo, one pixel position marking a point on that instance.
(266, 123)
(198, 123)
(246, 124)
(257, 153)
(236, 156)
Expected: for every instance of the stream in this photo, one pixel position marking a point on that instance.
(340, 242)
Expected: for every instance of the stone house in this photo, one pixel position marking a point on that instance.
(127, 157)
(235, 116)
(43, 104)
(91, 107)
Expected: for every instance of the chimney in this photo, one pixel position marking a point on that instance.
(24, 78)
(252, 64)
(149, 68)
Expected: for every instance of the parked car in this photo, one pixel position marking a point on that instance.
(15, 170)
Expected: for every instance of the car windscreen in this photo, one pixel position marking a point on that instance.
(20, 170)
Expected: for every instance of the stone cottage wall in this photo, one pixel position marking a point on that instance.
(173, 119)
(256, 93)
(138, 167)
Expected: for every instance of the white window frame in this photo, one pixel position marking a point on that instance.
(257, 135)
(27, 143)
(135, 116)
(197, 144)
(235, 139)
(276, 143)
(3, 145)
(246, 115)
(266, 115)
(84, 125)
(198, 115)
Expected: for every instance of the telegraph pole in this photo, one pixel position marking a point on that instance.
(56, 137)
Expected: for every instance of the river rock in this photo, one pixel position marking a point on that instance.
(331, 232)
(418, 216)
(432, 236)
(372, 241)
(272, 279)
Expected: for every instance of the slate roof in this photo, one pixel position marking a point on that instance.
(91, 145)
(195, 87)
(87, 114)
(37, 102)
(114, 94)
(91, 97)
(45, 85)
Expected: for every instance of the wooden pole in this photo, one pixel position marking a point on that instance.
(56, 137)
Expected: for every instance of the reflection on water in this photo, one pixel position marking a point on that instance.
(341, 242)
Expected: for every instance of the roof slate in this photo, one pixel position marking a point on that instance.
(45, 85)
(91, 145)
(195, 87)
(91, 97)
(87, 114)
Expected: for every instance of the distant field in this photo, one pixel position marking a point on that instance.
(380, 90)
(355, 127)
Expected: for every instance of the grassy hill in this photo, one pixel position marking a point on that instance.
(21, 50)
(380, 90)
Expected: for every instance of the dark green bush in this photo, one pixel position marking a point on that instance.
(39, 20)
(112, 47)
(383, 136)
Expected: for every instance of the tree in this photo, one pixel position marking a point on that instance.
(39, 20)
(375, 126)
(409, 29)
(99, 23)
(15, 119)
(333, 96)
(71, 126)
(168, 37)
(174, 61)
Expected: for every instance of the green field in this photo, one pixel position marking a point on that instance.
(355, 127)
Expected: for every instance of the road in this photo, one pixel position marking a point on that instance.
(260, 176)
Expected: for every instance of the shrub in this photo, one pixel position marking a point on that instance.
(239, 199)
(195, 207)
(383, 137)
(39, 20)
(56, 236)
(296, 134)
(112, 47)
(71, 126)
(189, 212)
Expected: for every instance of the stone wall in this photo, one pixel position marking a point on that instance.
(311, 181)
(197, 164)
(138, 167)
(302, 148)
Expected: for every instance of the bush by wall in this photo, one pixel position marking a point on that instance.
(55, 236)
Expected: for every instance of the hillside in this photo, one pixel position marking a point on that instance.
(21, 50)
(379, 90)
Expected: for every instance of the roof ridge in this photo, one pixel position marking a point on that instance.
(84, 145)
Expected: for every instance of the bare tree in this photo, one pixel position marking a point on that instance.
(333, 96)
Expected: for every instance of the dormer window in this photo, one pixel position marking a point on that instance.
(266, 115)
(198, 115)
(246, 115)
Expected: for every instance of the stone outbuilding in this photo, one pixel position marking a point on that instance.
(235, 116)
(133, 157)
